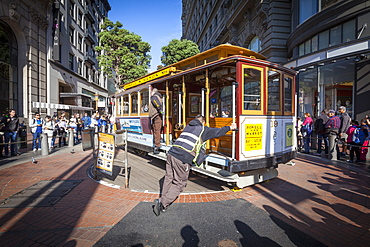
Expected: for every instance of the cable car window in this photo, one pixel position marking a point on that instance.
(252, 89)
(274, 90)
(288, 93)
(226, 101)
(134, 103)
(125, 104)
(144, 101)
(195, 104)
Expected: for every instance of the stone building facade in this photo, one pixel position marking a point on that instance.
(23, 31)
(326, 41)
(262, 26)
(47, 58)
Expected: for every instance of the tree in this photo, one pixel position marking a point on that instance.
(177, 50)
(122, 53)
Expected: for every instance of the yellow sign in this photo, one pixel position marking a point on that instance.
(253, 137)
(106, 151)
(289, 135)
(149, 77)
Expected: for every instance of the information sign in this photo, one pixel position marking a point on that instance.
(106, 151)
(253, 137)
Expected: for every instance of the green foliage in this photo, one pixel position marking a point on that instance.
(177, 50)
(122, 53)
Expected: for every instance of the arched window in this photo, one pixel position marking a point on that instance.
(8, 70)
(255, 44)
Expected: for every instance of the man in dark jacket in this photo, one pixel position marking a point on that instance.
(11, 122)
(331, 132)
(188, 149)
(345, 122)
(320, 131)
(156, 115)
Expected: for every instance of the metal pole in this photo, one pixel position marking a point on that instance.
(203, 102)
(92, 135)
(44, 144)
(126, 161)
(71, 138)
(167, 118)
(233, 115)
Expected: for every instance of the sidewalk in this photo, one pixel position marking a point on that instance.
(328, 201)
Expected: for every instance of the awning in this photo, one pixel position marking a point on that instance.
(43, 105)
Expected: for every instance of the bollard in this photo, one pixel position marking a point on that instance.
(44, 144)
(71, 136)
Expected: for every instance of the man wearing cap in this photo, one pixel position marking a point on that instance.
(345, 122)
(331, 131)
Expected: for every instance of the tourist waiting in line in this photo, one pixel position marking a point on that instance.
(320, 131)
(86, 121)
(307, 131)
(299, 134)
(345, 122)
(36, 129)
(331, 132)
(62, 124)
(79, 126)
(11, 127)
(73, 126)
(354, 146)
(48, 128)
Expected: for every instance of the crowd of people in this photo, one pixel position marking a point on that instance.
(56, 127)
(336, 134)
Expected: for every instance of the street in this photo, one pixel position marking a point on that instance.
(314, 203)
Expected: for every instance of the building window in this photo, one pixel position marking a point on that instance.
(71, 35)
(307, 47)
(70, 61)
(307, 8)
(315, 43)
(72, 9)
(335, 36)
(349, 31)
(79, 18)
(79, 66)
(328, 38)
(80, 43)
(323, 40)
(9, 71)
(255, 44)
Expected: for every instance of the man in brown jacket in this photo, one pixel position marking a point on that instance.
(156, 115)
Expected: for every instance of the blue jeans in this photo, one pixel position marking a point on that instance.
(320, 139)
(36, 141)
(306, 143)
(12, 137)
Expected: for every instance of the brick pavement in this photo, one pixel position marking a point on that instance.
(328, 201)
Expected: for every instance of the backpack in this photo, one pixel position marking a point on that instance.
(359, 136)
(307, 129)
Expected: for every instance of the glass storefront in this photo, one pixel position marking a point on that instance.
(326, 87)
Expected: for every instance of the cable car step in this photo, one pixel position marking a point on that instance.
(161, 155)
(220, 174)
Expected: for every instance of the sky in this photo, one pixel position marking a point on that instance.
(157, 22)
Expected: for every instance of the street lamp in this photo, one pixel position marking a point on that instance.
(96, 101)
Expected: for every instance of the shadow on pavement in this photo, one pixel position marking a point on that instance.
(24, 225)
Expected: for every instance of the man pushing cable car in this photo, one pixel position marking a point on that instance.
(189, 148)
